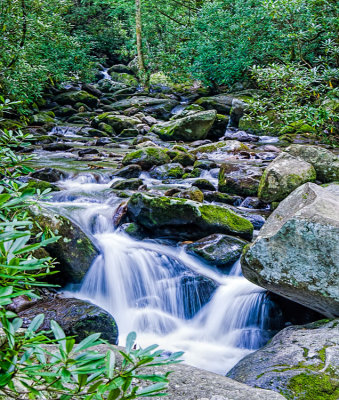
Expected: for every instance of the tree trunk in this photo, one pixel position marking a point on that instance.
(138, 29)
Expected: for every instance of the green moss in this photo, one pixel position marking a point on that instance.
(312, 387)
(42, 185)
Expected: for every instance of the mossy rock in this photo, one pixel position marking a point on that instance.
(184, 158)
(193, 193)
(157, 213)
(74, 251)
(167, 171)
(190, 128)
(118, 122)
(125, 78)
(146, 157)
(224, 146)
(298, 127)
(41, 185)
(300, 362)
(127, 184)
(43, 118)
(77, 96)
(283, 175)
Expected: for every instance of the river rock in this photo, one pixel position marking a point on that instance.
(242, 136)
(49, 174)
(220, 102)
(117, 122)
(144, 103)
(188, 129)
(127, 184)
(241, 179)
(160, 213)
(302, 362)
(220, 250)
(146, 157)
(77, 96)
(77, 318)
(192, 193)
(183, 158)
(130, 171)
(43, 118)
(222, 146)
(74, 251)
(167, 171)
(125, 78)
(282, 176)
(325, 163)
(296, 253)
(204, 184)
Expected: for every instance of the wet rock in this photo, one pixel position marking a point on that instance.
(134, 230)
(65, 111)
(117, 122)
(184, 158)
(222, 103)
(74, 251)
(223, 198)
(219, 127)
(205, 164)
(125, 78)
(145, 104)
(43, 118)
(59, 146)
(296, 253)
(204, 184)
(85, 152)
(78, 96)
(282, 176)
(77, 318)
(167, 171)
(49, 174)
(121, 68)
(92, 89)
(300, 361)
(190, 128)
(252, 202)
(325, 163)
(146, 157)
(192, 193)
(157, 213)
(127, 184)
(37, 184)
(172, 192)
(130, 171)
(223, 146)
(242, 136)
(241, 179)
(220, 250)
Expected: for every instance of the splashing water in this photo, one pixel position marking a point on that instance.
(167, 296)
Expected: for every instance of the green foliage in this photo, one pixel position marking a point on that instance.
(302, 100)
(36, 48)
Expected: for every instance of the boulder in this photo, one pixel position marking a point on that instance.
(167, 171)
(296, 253)
(302, 362)
(217, 249)
(74, 251)
(121, 68)
(221, 102)
(192, 193)
(160, 213)
(130, 171)
(49, 174)
(144, 103)
(117, 122)
(146, 157)
(242, 136)
(282, 176)
(77, 318)
(185, 159)
(77, 96)
(190, 128)
(241, 179)
(204, 184)
(125, 78)
(127, 184)
(223, 146)
(43, 118)
(325, 163)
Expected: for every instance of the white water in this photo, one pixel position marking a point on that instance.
(161, 292)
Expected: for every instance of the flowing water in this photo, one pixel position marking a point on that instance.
(156, 289)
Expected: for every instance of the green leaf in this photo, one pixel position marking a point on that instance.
(110, 362)
(88, 342)
(151, 389)
(130, 340)
(113, 394)
(59, 334)
(35, 324)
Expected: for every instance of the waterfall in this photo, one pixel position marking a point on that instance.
(167, 296)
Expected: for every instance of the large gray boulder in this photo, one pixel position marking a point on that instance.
(147, 157)
(325, 163)
(77, 96)
(241, 179)
(302, 362)
(296, 253)
(117, 122)
(190, 128)
(181, 215)
(282, 176)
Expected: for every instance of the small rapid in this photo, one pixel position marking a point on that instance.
(158, 290)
